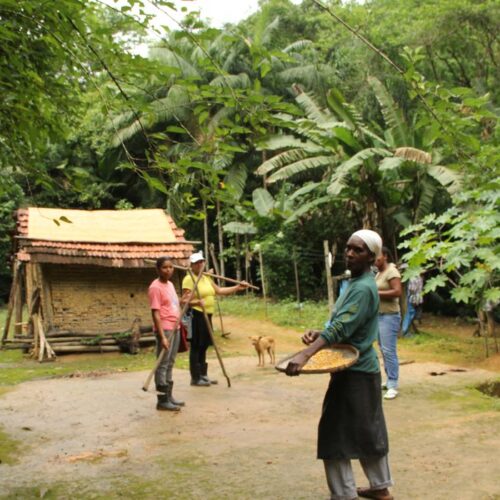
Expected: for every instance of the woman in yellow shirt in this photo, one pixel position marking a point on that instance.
(203, 298)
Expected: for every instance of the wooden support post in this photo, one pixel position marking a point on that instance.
(296, 272)
(18, 304)
(328, 270)
(247, 263)
(238, 263)
(220, 236)
(12, 297)
(263, 279)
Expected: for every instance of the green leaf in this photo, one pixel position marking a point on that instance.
(240, 228)
(263, 201)
(436, 282)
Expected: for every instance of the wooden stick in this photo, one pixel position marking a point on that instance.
(164, 351)
(212, 275)
(236, 282)
(210, 331)
(214, 260)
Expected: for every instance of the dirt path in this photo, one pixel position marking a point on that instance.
(100, 437)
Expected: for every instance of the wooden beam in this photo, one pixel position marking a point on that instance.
(12, 296)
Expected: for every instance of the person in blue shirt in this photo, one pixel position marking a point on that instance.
(352, 424)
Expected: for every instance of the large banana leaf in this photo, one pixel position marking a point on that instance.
(175, 60)
(338, 180)
(392, 114)
(304, 190)
(301, 166)
(239, 228)
(287, 142)
(448, 178)
(312, 108)
(307, 207)
(239, 81)
(297, 46)
(279, 160)
(262, 201)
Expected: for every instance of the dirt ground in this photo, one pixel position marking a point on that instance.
(101, 437)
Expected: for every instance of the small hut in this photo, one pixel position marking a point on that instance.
(83, 276)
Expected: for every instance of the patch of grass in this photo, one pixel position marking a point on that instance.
(9, 449)
(18, 367)
(466, 399)
(310, 315)
(443, 347)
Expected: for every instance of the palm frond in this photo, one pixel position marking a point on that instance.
(239, 81)
(175, 60)
(280, 160)
(301, 166)
(307, 75)
(311, 186)
(449, 179)
(287, 142)
(297, 46)
(236, 179)
(342, 110)
(342, 172)
(393, 116)
(312, 108)
(362, 156)
(126, 134)
(427, 192)
(174, 106)
(391, 162)
(268, 31)
(307, 207)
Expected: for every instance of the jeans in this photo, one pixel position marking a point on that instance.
(410, 315)
(340, 478)
(163, 373)
(388, 336)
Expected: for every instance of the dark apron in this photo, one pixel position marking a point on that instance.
(200, 338)
(352, 424)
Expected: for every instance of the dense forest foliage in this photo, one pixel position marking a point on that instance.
(300, 124)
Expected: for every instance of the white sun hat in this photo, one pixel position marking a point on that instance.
(196, 257)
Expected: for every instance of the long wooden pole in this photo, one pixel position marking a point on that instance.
(164, 351)
(328, 270)
(263, 279)
(210, 330)
(212, 275)
(214, 261)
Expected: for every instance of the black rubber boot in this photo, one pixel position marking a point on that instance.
(204, 376)
(164, 404)
(196, 378)
(171, 398)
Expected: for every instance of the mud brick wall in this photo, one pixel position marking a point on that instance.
(99, 299)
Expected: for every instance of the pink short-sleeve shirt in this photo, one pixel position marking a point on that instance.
(163, 297)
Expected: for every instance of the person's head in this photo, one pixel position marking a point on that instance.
(197, 262)
(362, 249)
(165, 268)
(383, 259)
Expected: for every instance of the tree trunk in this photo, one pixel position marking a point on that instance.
(220, 235)
(205, 234)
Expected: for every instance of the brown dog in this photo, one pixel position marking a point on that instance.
(263, 344)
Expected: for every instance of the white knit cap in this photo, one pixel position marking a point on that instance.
(372, 239)
(196, 257)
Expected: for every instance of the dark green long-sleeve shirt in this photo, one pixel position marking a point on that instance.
(354, 321)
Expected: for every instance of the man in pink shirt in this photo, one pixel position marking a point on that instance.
(165, 310)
